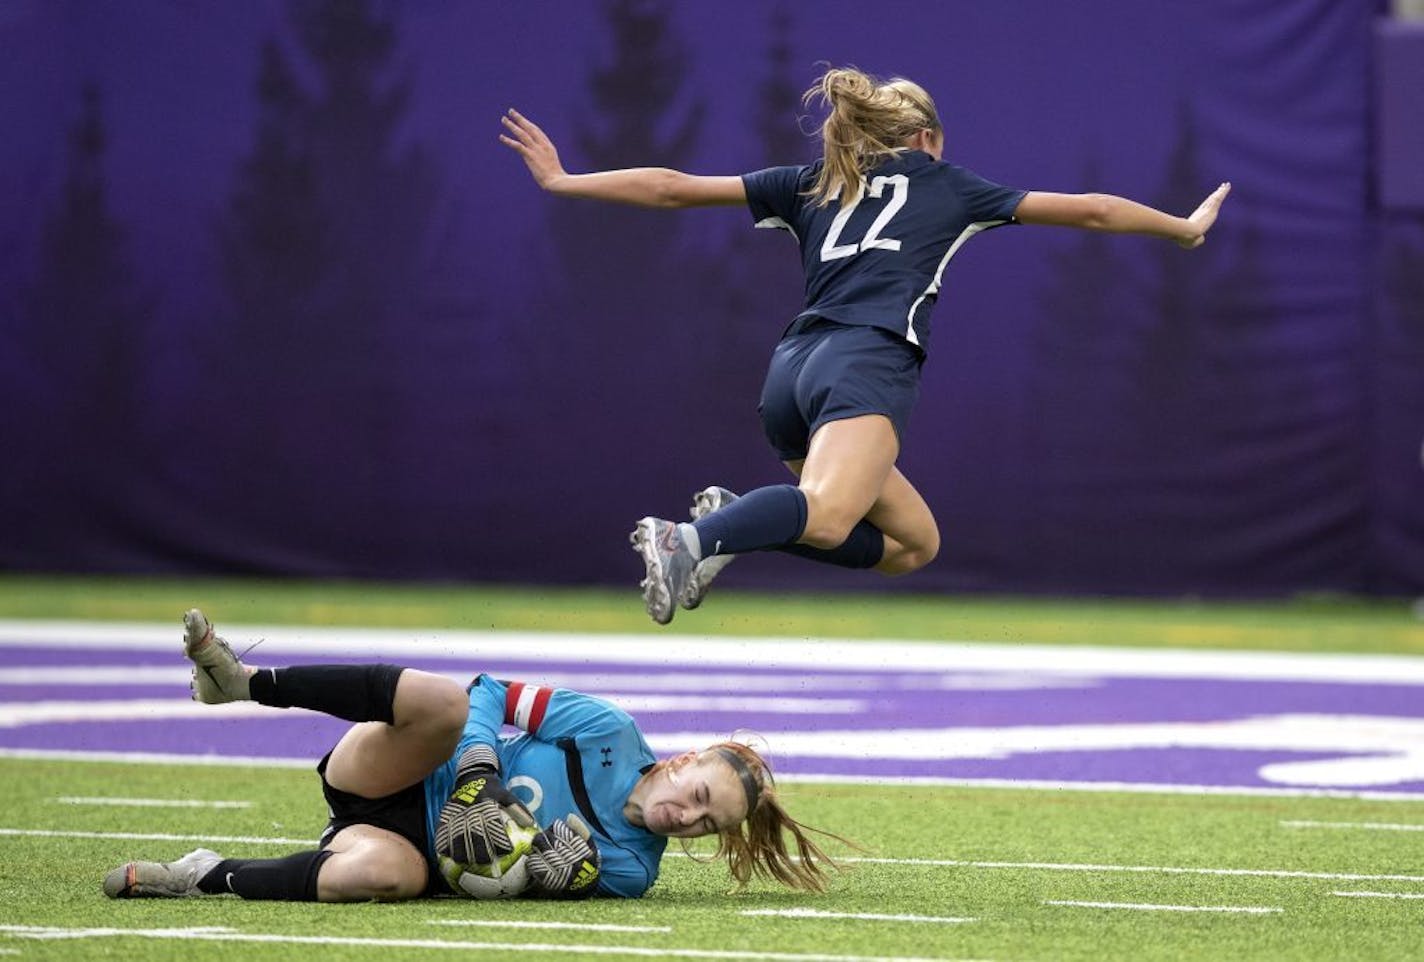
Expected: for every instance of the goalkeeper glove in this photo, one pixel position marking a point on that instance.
(563, 861)
(472, 825)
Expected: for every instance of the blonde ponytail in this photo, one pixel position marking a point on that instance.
(867, 121)
(758, 845)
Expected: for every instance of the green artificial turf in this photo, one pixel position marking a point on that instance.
(996, 856)
(1033, 848)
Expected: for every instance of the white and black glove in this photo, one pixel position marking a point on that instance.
(472, 828)
(564, 862)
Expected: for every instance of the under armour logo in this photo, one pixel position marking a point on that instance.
(607, 754)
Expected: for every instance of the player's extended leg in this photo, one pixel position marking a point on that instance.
(361, 863)
(910, 535)
(408, 721)
(842, 477)
(896, 534)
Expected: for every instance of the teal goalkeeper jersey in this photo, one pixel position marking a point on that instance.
(571, 754)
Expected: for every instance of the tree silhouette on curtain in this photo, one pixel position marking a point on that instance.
(619, 272)
(87, 319)
(323, 241)
(757, 284)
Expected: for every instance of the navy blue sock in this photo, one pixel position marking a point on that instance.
(290, 879)
(862, 548)
(767, 517)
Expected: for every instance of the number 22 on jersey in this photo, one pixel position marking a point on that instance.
(833, 250)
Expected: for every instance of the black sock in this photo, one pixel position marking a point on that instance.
(290, 879)
(356, 693)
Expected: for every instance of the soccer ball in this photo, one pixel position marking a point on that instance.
(501, 879)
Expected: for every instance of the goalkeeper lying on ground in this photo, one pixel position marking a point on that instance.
(424, 777)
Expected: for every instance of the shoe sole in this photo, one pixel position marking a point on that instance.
(192, 621)
(198, 631)
(644, 539)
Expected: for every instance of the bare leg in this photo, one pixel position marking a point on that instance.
(370, 863)
(911, 534)
(374, 759)
(843, 474)
(848, 474)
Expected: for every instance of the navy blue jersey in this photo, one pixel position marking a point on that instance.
(575, 754)
(878, 260)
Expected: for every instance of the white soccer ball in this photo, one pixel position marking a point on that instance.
(501, 879)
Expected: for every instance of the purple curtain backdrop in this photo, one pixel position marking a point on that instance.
(276, 301)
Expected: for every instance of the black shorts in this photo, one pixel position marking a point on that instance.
(829, 372)
(402, 813)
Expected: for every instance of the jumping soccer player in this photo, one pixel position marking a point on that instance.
(425, 769)
(877, 220)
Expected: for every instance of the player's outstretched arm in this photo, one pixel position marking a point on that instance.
(1107, 212)
(639, 186)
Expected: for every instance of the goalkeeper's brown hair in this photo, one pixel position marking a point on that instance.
(868, 120)
(758, 845)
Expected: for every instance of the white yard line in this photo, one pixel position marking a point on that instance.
(858, 916)
(1380, 895)
(161, 758)
(1366, 826)
(1151, 788)
(520, 949)
(1141, 869)
(916, 862)
(66, 676)
(526, 924)
(155, 837)
(610, 679)
(1143, 907)
(148, 802)
(961, 655)
(20, 714)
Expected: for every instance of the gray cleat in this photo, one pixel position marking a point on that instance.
(218, 676)
(669, 565)
(704, 503)
(161, 880)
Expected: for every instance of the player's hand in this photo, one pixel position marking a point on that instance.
(475, 834)
(564, 862)
(1203, 217)
(530, 142)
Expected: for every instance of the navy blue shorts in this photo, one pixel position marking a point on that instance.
(830, 372)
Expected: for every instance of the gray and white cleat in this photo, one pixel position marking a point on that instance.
(218, 675)
(669, 566)
(161, 880)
